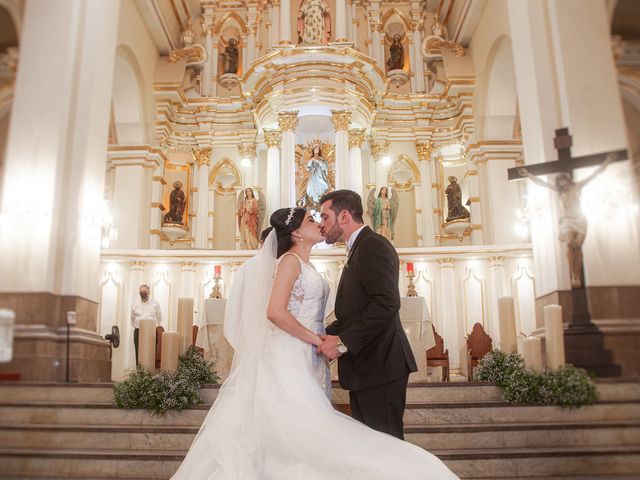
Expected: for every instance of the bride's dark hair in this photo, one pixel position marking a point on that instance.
(283, 230)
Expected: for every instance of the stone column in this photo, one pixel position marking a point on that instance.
(288, 122)
(345, 174)
(155, 215)
(207, 69)
(201, 200)
(188, 280)
(273, 138)
(429, 229)
(54, 177)
(494, 292)
(341, 21)
(354, 22)
(275, 23)
(474, 197)
(356, 139)
(448, 312)
(251, 37)
(214, 66)
(285, 22)
(418, 65)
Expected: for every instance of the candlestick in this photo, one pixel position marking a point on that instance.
(554, 333)
(185, 323)
(411, 288)
(169, 358)
(147, 345)
(215, 291)
(507, 317)
(532, 352)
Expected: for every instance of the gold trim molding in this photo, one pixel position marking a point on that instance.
(341, 119)
(288, 121)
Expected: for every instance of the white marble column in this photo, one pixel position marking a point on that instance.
(214, 66)
(244, 43)
(426, 206)
(207, 69)
(155, 214)
(354, 23)
(494, 292)
(418, 65)
(345, 174)
(285, 22)
(288, 122)
(251, 36)
(474, 197)
(201, 200)
(275, 23)
(188, 280)
(356, 139)
(273, 139)
(448, 322)
(341, 21)
(55, 162)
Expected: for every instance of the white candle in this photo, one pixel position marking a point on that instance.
(532, 352)
(185, 323)
(147, 345)
(169, 358)
(554, 332)
(507, 316)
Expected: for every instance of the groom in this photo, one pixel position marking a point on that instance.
(375, 358)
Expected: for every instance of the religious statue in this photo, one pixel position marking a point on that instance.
(314, 23)
(396, 57)
(177, 203)
(188, 35)
(455, 209)
(250, 213)
(230, 57)
(573, 223)
(383, 211)
(318, 169)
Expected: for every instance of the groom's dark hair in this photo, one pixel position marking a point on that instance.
(345, 200)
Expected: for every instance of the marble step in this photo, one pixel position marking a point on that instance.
(415, 413)
(417, 392)
(470, 463)
(430, 437)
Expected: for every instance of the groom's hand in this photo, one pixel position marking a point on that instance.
(329, 347)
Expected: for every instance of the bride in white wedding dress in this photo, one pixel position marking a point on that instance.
(273, 418)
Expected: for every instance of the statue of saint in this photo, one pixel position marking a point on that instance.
(230, 57)
(188, 35)
(573, 223)
(318, 169)
(314, 23)
(383, 211)
(396, 57)
(454, 201)
(250, 212)
(177, 203)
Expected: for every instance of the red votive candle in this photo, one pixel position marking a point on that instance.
(217, 269)
(409, 267)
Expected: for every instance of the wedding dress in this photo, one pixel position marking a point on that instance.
(273, 418)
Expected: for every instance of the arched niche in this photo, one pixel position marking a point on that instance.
(402, 177)
(395, 22)
(225, 180)
(128, 117)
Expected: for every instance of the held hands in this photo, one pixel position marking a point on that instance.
(329, 347)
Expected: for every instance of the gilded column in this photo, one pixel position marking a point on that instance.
(273, 139)
(345, 176)
(285, 22)
(447, 321)
(428, 226)
(356, 139)
(201, 200)
(288, 122)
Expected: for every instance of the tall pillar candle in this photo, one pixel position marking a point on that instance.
(185, 323)
(169, 358)
(147, 345)
(554, 331)
(507, 315)
(532, 352)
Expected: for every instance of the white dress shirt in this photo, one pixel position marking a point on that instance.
(145, 310)
(352, 238)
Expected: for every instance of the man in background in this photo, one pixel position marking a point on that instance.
(144, 309)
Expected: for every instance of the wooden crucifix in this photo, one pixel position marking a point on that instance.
(573, 223)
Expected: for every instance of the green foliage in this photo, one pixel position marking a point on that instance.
(164, 391)
(567, 386)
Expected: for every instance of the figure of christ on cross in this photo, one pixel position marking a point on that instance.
(573, 223)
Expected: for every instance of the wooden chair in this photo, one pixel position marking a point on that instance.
(478, 345)
(159, 332)
(439, 357)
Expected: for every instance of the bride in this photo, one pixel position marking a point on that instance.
(273, 418)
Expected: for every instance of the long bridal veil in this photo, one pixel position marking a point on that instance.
(226, 445)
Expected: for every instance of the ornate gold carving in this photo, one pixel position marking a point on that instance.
(272, 138)
(137, 265)
(446, 262)
(424, 150)
(379, 149)
(188, 265)
(456, 49)
(341, 119)
(159, 179)
(192, 54)
(288, 121)
(356, 137)
(474, 199)
(203, 156)
(496, 261)
(247, 150)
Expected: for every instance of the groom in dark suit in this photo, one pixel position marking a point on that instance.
(374, 356)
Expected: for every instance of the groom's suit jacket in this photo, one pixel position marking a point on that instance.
(368, 321)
